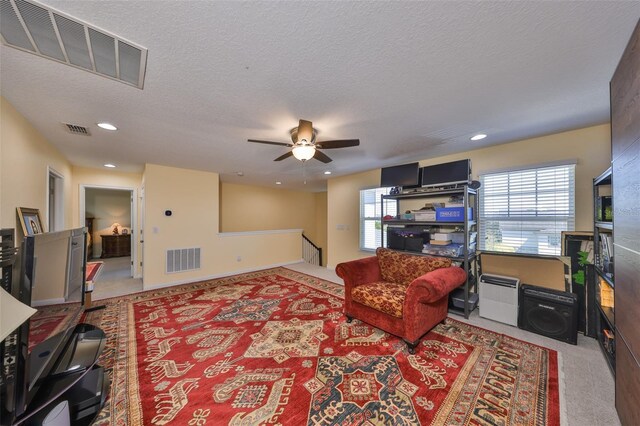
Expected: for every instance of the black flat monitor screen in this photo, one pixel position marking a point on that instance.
(404, 175)
(447, 173)
(49, 268)
(418, 185)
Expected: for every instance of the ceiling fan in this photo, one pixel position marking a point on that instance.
(305, 147)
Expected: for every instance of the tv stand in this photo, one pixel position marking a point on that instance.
(73, 377)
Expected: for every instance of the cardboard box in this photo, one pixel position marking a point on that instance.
(425, 215)
(453, 214)
(442, 236)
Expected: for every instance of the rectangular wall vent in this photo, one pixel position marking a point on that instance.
(43, 31)
(179, 260)
(76, 129)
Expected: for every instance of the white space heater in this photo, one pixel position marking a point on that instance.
(499, 298)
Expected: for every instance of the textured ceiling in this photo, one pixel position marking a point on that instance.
(411, 80)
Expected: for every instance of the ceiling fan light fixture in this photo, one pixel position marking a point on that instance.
(304, 152)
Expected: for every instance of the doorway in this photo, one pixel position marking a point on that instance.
(55, 200)
(110, 213)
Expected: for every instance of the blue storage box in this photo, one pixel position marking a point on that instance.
(452, 214)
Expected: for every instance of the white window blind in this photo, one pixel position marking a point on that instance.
(370, 216)
(525, 211)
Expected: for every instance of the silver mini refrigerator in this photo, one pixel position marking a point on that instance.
(499, 298)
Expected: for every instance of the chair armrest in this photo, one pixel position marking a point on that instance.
(435, 285)
(358, 272)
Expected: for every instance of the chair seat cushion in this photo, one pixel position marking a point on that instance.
(403, 268)
(382, 296)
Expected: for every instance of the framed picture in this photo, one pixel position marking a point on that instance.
(30, 221)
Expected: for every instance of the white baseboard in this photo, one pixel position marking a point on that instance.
(45, 302)
(212, 277)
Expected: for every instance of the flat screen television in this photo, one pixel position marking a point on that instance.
(54, 265)
(403, 175)
(447, 174)
(417, 185)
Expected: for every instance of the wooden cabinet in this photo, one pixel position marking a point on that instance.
(116, 245)
(625, 150)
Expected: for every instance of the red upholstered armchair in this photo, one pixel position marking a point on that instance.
(402, 294)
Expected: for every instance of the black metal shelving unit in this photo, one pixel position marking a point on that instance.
(603, 269)
(469, 258)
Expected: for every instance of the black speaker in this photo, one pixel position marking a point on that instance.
(549, 312)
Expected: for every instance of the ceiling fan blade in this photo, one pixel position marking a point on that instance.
(269, 142)
(322, 157)
(342, 143)
(305, 130)
(283, 156)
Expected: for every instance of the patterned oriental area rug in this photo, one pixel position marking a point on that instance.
(273, 347)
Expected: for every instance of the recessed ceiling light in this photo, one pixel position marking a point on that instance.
(327, 172)
(107, 126)
(239, 173)
(109, 165)
(278, 183)
(478, 137)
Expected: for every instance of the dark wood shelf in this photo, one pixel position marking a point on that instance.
(605, 225)
(611, 361)
(605, 278)
(604, 178)
(605, 316)
(608, 314)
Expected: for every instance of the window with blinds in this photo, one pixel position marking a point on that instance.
(525, 211)
(371, 216)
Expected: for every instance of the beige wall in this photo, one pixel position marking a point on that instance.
(257, 208)
(321, 224)
(343, 217)
(26, 154)
(193, 198)
(590, 146)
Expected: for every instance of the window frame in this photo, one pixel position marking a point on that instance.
(541, 212)
(362, 219)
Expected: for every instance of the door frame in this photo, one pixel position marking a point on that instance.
(134, 218)
(58, 214)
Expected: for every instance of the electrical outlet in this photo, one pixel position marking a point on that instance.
(239, 259)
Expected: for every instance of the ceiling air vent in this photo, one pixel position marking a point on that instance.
(43, 31)
(76, 130)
